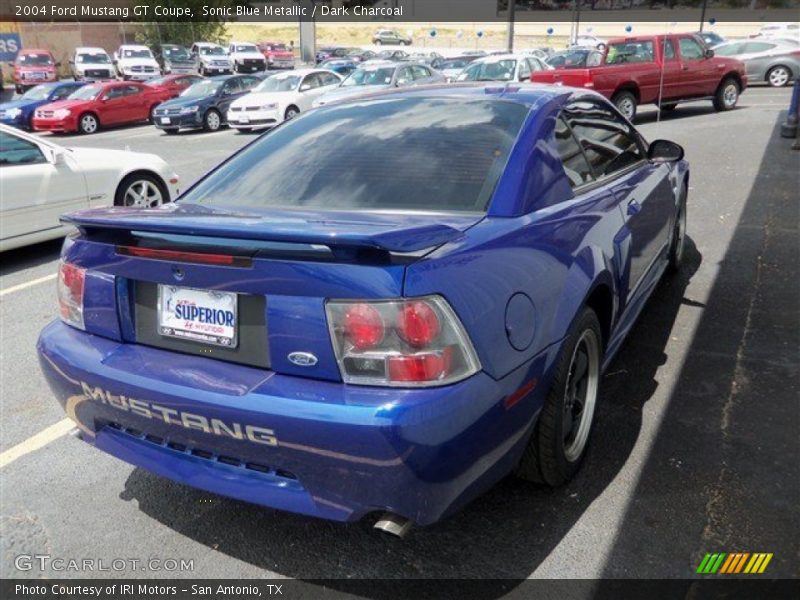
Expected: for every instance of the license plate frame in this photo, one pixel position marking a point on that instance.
(166, 120)
(195, 330)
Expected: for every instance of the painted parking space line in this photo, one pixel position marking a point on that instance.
(27, 284)
(35, 442)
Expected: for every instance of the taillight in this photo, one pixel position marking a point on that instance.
(71, 281)
(404, 343)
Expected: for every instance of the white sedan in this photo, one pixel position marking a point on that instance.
(280, 97)
(40, 181)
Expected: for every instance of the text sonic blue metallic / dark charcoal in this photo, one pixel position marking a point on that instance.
(400, 332)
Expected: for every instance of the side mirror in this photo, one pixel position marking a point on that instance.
(709, 53)
(57, 156)
(663, 151)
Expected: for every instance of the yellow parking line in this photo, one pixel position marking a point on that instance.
(27, 284)
(33, 443)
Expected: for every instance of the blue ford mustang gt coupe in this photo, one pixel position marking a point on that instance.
(394, 337)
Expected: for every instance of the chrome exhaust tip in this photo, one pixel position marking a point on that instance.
(394, 525)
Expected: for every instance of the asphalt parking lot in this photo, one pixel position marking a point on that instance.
(695, 446)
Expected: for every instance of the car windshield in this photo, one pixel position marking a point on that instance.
(87, 92)
(245, 48)
(403, 153)
(94, 58)
(35, 60)
(212, 50)
(143, 53)
(201, 89)
(500, 70)
(176, 53)
(40, 92)
(386, 54)
(381, 76)
(277, 47)
(279, 83)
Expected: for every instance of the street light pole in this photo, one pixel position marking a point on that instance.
(703, 15)
(510, 31)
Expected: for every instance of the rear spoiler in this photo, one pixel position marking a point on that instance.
(391, 233)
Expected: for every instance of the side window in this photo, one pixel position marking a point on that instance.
(232, 86)
(312, 81)
(62, 92)
(690, 49)
(536, 64)
(757, 47)
(17, 151)
(669, 50)
(114, 92)
(594, 59)
(248, 83)
(404, 76)
(610, 143)
(420, 72)
(524, 69)
(330, 79)
(575, 165)
(131, 90)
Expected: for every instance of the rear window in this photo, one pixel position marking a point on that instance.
(630, 52)
(390, 154)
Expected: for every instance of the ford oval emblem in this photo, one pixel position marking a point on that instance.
(303, 359)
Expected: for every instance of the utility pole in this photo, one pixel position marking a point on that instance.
(510, 34)
(703, 16)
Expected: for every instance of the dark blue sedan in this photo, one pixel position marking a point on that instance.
(394, 336)
(19, 112)
(203, 105)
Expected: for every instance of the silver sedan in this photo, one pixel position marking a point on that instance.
(772, 61)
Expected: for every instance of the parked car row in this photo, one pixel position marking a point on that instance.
(136, 62)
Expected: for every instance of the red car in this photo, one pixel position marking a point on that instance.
(171, 86)
(657, 69)
(32, 67)
(278, 55)
(98, 105)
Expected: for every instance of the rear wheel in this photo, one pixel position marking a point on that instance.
(727, 94)
(626, 104)
(212, 121)
(141, 190)
(678, 235)
(559, 441)
(87, 123)
(779, 76)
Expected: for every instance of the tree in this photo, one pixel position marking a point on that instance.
(168, 29)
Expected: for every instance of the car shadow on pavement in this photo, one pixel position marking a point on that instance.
(505, 534)
(26, 257)
(683, 111)
(722, 473)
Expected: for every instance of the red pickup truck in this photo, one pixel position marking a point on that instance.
(657, 69)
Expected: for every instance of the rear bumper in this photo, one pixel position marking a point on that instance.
(318, 448)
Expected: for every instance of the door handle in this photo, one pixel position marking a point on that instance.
(633, 208)
(685, 67)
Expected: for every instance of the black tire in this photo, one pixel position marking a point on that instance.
(547, 457)
(245, 129)
(779, 76)
(19, 90)
(378, 43)
(678, 242)
(291, 112)
(122, 188)
(727, 94)
(212, 120)
(626, 103)
(85, 121)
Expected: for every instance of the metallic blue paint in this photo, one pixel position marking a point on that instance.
(345, 450)
(26, 108)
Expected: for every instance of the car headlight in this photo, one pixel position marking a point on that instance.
(187, 110)
(61, 113)
(13, 113)
(270, 106)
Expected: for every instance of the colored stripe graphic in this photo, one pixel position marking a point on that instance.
(733, 563)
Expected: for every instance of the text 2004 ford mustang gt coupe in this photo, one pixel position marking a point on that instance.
(393, 336)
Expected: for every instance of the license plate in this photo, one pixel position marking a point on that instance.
(244, 119)
(165, 121)
(204, 316)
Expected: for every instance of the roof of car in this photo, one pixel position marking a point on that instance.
(496, 57)
(528, 94)
(89, 49)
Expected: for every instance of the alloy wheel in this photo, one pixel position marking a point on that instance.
(626, 107)
(779, 77)
(88, 124)
(581, 394)
(142, 193)
(730, 95)
(213, 121)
